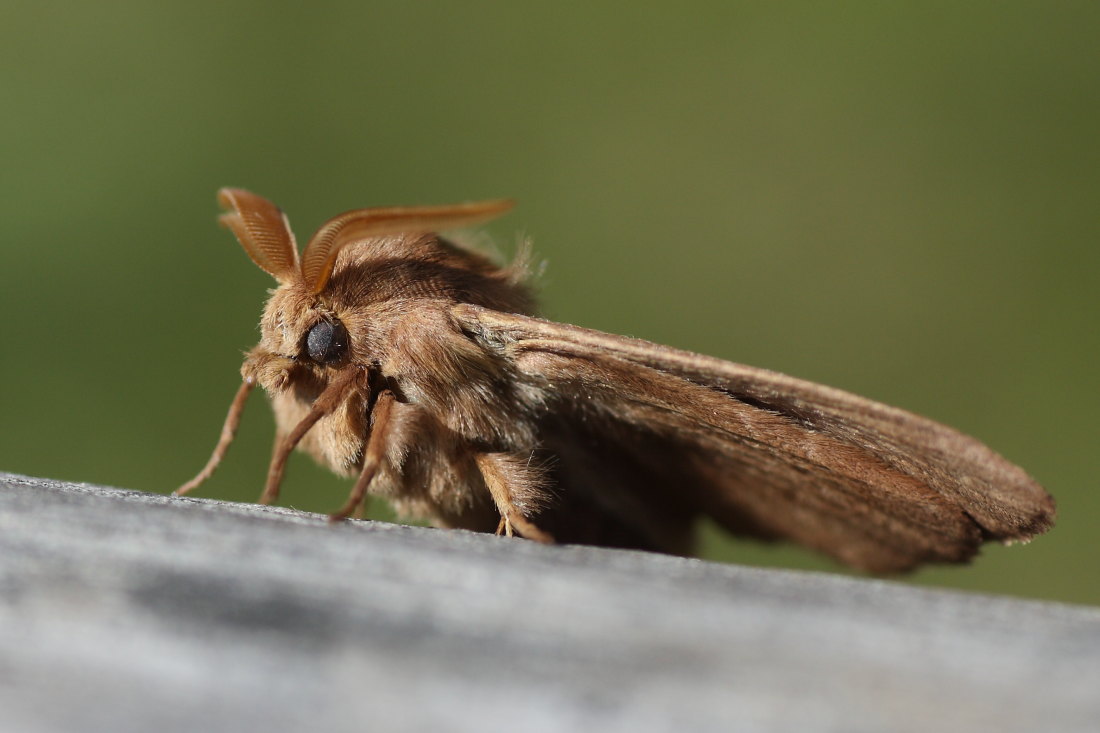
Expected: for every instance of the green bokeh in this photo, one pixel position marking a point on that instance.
(900, 199)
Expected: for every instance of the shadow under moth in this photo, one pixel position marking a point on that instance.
(391, 354)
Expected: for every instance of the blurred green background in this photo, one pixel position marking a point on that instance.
(900, 199)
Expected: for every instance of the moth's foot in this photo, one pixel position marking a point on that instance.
(268, 497)
(354, 508)
(517, 524)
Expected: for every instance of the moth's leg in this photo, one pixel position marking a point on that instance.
(229, 431)
(277, 443)
(497, 482)
(504, 527)
(333, 395)
(373, 455)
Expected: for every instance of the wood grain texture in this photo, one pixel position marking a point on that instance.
(125, 611)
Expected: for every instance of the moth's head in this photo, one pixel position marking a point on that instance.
(296, 324)
(301, 320)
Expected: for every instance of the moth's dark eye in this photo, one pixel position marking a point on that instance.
(326, 342)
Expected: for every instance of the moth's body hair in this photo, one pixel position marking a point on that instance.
(392, 353)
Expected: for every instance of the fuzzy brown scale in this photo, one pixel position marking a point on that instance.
(392, 354)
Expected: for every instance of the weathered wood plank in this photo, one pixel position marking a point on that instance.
(124, 611)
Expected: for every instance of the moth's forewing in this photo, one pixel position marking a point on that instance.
(762, 453)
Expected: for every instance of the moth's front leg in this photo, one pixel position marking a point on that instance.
(341, 386)
(229, 431)
(260, 367)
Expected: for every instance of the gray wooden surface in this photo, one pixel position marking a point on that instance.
(125, 611)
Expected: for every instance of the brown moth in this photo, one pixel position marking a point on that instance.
(392, 354)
